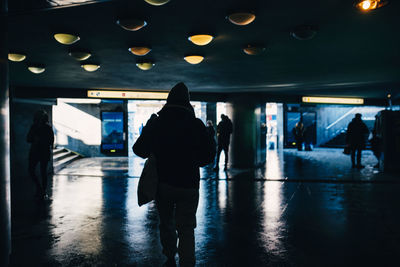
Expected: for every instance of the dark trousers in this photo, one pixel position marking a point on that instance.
(354, 150)
(33, 162)
(177, 211)
(225, 148)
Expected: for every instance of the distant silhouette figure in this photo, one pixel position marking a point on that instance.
(41, 137)
(357, 134)
(180, 144)
(210, 129)
(298, 132)
(224, 130)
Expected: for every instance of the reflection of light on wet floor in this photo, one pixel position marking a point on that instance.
(274, 224)
(76, 215)
(274, 164)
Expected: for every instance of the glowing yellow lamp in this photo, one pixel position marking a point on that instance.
(36, 69)
(80, 56)
(66, 38)
(145, 65)
(16, 57)
(90, 67)
(194, 59)
(140, 50)
(242, 18)
(368, 5)
(201, 39)
(157, 2)
(131, 24)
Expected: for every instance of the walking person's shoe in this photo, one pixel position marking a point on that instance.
(216, 168)
(170, 263)
(360, 167)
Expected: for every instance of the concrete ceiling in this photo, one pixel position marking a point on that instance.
(352, 54)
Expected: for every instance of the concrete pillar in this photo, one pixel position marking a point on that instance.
(212, 112)
(246, 142)
(5, 219)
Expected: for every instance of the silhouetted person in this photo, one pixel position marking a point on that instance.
(376, 141)
(224, 130)
(210, 129)
(357, 133)
(298, 132)
(180, 144)
(41, 137)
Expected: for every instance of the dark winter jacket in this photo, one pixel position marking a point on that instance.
(357, 133)
(224, 130)
(180, 143)
(41, 137)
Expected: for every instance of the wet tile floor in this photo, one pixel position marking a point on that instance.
(301, 209)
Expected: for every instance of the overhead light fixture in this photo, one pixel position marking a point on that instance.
(79, 55)
(127, 94)
(157, 2)
(242, 18)
(66, 38)
(201, 39)
(90, 67)
(36, 69)
(131, 24)
(333, 100)
(368, 5)
(16, 57)
(145, 65)
(253, 50)
(140, 50)
(304, 32)
(194, 59)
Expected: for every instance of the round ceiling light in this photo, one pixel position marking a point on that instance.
(194, 59)
(368, 5)
(80, 56)
(157, 2)
(16, 57)
(145, 65)
(90, 67)
(36, 69)
(242, 18)
(66, 38)
(140, 50)
(131, 24)
(253, 50)
(201, 39)
(304, 32)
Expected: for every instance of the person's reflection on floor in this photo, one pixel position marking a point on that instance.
(180, 144)
(41, 138)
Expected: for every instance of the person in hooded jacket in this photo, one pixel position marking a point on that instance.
(41, 138)
(180, 143)
(357, 134)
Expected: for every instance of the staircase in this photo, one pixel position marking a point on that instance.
(62, 157)
(338, 141)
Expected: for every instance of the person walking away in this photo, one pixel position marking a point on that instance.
(210, 128)
(357, 133)
(180, 143)
(224, 131)
(41, 138)
(298, 132)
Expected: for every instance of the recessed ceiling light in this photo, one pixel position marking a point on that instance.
(253, 50)
(90, 67)
(131, 24)
(201, 39)
(157, 2)
(145, 65)
(368, 5)
(242, 18)
(16, 57)
(36, 69)
(66, 38)
(79, 55)
(304, 32)
(194, 59)
(140, 50)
